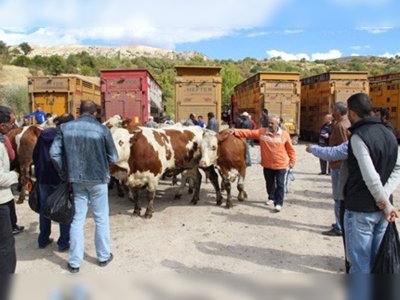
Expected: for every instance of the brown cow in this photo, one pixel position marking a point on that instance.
(23, 141)
(228, 153)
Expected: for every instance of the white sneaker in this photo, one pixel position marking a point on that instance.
(278, 208)
(269, 202)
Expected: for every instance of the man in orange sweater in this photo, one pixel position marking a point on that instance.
(277, 153)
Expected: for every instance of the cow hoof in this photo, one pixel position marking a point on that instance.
(193, 201)
(136, 214)
(228, 206)
(190, 191)
(177, 197)
(148, 216)
(241, 199)
(20, 201)
(219, 203)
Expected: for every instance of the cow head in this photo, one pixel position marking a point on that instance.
(122, 143)
(209, 149)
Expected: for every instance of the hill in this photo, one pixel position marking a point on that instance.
(127, 52)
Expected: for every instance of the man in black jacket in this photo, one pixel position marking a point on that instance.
(373, 163)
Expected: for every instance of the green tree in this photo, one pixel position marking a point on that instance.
(56, 65)
(230, 78)
(26, 49)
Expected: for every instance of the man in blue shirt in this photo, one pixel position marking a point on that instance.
(39, 115)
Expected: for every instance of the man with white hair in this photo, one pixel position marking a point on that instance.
(151, 123)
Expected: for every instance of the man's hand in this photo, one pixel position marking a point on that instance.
(308, 146)
(231, 131)
(382, 205)
(391, 217)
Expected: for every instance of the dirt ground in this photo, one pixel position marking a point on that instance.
(207, 239)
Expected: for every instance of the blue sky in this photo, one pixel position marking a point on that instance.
(291, 29)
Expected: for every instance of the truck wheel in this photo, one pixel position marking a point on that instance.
(295, 140)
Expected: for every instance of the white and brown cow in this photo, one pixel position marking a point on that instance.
(228, 153)
(154, 152)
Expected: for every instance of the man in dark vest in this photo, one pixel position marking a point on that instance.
(373, 162)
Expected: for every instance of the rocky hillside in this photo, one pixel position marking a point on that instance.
(107, 51)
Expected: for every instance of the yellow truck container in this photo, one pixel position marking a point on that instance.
(62, 94)
(385, 92)
(320, 92)
(198, 91)
(279, 92)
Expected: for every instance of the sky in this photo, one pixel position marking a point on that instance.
(224, 29)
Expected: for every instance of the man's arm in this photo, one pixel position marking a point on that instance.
(29, 115)
(56, 155)
(111, 150)
(7, 177)
(369, 174)
(335, 153)
(247, 133)
(394, 179)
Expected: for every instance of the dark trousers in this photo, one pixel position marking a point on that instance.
(13, 213)
(45, 224)
(275, 183)
(342, 210)
(324, 166)
(8, 258)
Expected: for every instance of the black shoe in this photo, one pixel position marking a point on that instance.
(331, 232)
(320, 173)
(45, 245)
(63, 249)
(105, 263)
(72, 269)
(18, 229)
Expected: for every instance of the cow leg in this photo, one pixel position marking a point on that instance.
(227, 185)
(150, 203)
(23, 180)
(111, 183)
(197, 185)
(191, 185)
(179, 193)
(240, 186)
(213, 176)
(120, 189)
(134, 192)
(175, 180)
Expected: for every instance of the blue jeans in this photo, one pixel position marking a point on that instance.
(364, 232)
(335, 173)
(97, 196)
(45, 224)
(275, 182)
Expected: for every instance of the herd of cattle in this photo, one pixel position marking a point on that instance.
(145, 155)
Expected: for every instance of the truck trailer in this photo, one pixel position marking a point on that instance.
(62, 94)
(279, 92)
(131, 93)
(320, 92)
(385, 92)
(197, 91)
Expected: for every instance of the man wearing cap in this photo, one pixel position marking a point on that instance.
(245, 123)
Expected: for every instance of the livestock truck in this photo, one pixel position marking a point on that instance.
(385, 92)
(279, 92)
(62, 94)
(320, 92)
(198, 91)
(131, 93)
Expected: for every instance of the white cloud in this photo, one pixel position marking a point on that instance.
(287, 56)
(154, 23)
(359, 47)
(389, 55)
(328, 55)
(375, 30)
(256, 34)
(293, 31)
(151, 13)
(354, 54)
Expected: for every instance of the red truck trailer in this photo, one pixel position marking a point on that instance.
(131, 93)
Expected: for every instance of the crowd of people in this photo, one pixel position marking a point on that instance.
(354, 140)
